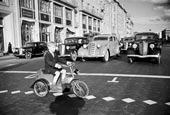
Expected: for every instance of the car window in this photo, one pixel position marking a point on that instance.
(144, 37)
(100, 38)
(30, 45)
(111, 38)
(41, 44)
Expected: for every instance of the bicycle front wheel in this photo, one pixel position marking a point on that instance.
(80, 88)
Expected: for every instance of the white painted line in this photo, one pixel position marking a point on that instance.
(150, 102)
(18, 72)
(128, 100)
(108, 98)
(4, 91)
(9, 65)
(72, 95)
(30, 76)
(168, 103)
(57, 94)
(101, 74)
(90, 97)
(29, 92)
(113, 80)
(15, 92)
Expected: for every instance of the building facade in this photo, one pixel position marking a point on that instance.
(24, 21)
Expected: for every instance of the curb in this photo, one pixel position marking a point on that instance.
(6, 57)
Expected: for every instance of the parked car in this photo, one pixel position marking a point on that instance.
(124, 43)
(72, 45)
(101, 46)
(145, 45)
(31, 49)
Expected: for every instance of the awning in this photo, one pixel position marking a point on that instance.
(59, 28)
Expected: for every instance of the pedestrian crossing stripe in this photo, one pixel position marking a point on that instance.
(89, 97)
(150, 102)
(128, 100)
(4, 91)
(15, 92)
(108, 98)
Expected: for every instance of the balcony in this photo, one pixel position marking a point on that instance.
(72, 3)
(91, 10)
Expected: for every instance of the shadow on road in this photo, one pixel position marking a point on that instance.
(64, 105)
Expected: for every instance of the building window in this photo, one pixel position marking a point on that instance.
(45, 12)
(27, 8)
(27, 4)
(5, 2)
(68, 17)
(90, 23)
(45, 6)
(94, 24)
(58, 14)
(98, 25)
(84, 20)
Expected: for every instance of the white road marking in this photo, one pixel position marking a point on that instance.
(72, 95)
(18, 72)
(9, 65)
(128, 100)
(30, 76)
(89, 97)
(4, 91)
(150, 102)
(15, 92)
(29, 92)
(168, 103)
(108, 98)
(57, 94)
(101, 74)
(113, 80)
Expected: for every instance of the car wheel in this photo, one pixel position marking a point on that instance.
(73, 56)
(106, 56)
(28, 55)
(130, 60)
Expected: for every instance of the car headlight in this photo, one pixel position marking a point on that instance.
(151, 46)
(134, 46)
(130, 44)
(79, 41)
(98, 45)
(85, 46)
(67, 47)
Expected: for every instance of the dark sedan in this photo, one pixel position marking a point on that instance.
(145, 45)
(72, 45)
(30, 49)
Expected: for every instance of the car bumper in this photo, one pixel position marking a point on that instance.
(143, 56)
(91, 56)
(19, 55)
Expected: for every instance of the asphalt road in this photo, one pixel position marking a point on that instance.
(116, 88)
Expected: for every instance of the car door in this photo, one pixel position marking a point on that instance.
(117, 46)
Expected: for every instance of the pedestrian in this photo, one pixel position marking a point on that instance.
(53, 64)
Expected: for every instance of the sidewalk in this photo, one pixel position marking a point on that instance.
(6, 57)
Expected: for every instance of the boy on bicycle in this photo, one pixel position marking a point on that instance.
(52, 63)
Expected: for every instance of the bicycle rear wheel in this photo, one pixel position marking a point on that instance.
(80, 88)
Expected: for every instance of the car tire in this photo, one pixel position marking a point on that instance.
(130, 60)
(28, 55)
(106, 56)
(73, 56)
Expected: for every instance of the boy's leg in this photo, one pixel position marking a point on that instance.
(57, 74)
(63, 74)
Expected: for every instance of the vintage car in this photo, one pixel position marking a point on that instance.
(145, 45)
(72, 44)
(31, 49)
(124, 43)
(102, 46)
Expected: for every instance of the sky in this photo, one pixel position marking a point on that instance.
(148, 15)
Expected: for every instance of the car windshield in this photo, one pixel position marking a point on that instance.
(76, 40)
(29, 44)
(100, 38)
(145, 37)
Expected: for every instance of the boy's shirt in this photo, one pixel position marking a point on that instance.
(50, 62)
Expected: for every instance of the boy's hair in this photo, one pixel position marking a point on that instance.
(49, 44)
